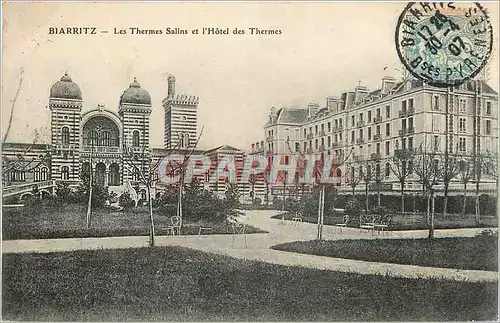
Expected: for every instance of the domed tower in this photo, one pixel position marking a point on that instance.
(180, 130)
(65, 103)
(134, 111)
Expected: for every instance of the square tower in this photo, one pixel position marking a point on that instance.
(180, 131)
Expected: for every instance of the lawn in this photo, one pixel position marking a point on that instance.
(69, 221)
(479, 253)
(178, 284)
(409, 221)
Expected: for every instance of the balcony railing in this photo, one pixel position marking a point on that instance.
(270, 138)
(360, 123)
(360, 141)
(322, 133)
(336, 144)
(404, 153)
(377, 136)
(337, 129)
(310, 135)
(375, 156)
(407, 112)
(309, 150)
(377, 119)
(102, 149)
(322, 148)
(406, 131)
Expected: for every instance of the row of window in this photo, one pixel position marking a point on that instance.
(407, 107)
(462, 105)
(40, 174)
(437, 122)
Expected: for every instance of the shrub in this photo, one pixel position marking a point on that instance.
(10, 200)
(353, 208)
(277, 201)
(232, 195)
(126, 201)
(65, 193)
(291, 205)
(257, 201)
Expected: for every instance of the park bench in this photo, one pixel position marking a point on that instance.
(367, 222)
(343, 224)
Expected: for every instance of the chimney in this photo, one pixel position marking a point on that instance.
(312, 109)
(273, 117)
(171, 86)
(347, 100)
(388, 84)
(360, 93)
(332, 103)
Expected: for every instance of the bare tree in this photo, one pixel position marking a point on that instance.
(13, 107)
(465, 172)
(148, 174)
(366, 174)
(426, 167)
(401, 166)
(21, 163)
(449, 171)
(352, 176)
(378, 178)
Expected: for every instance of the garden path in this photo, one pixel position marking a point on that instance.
(257, 247)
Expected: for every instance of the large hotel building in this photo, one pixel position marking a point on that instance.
(373, 124)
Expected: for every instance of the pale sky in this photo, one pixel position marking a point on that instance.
(324, 49)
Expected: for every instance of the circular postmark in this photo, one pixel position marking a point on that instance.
(444, 44)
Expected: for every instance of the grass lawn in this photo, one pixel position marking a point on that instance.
(410, 221)
(178, 284)
(479, 253)
(69, 221)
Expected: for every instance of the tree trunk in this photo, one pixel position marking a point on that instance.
(89, 205)
(431, 227)
(378, 194)
(366, 198)
(477, 205)
(464, 202)
(320, 206)
(428, 211)
(151, 219)
(402, 198)
(445, 201)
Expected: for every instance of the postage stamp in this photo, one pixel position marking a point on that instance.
(444, 44)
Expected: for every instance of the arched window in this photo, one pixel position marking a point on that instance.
(65, 172)
(186, 140)
(44, 174)
(181, 140)
(93, 138)
(65, 135)
(135, 138)
(114, 175)
(106, 138)
(36, 174)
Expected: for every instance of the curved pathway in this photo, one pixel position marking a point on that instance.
(256, 247)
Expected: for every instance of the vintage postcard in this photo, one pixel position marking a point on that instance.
(249, 161)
